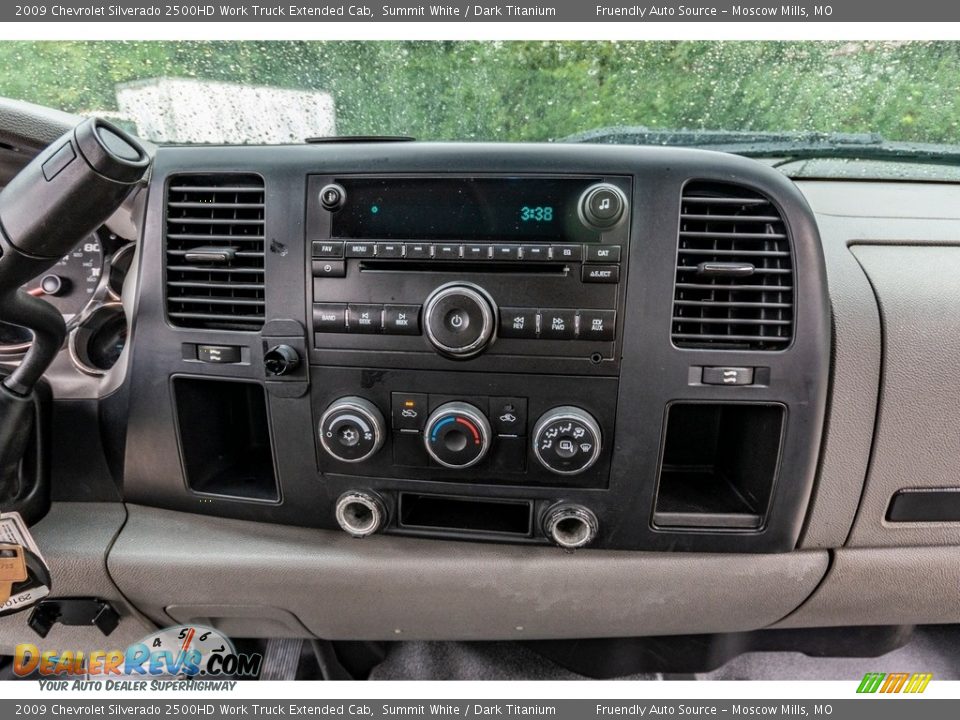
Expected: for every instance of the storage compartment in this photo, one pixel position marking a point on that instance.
(718, 465)
(225, 438)
(468, 515)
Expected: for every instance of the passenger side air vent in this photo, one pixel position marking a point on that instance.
(734, 283)
(215, 251)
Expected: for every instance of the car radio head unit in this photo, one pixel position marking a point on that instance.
(510, 272)
(502, 209)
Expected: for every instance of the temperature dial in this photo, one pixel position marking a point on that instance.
(351, 429)
(566, 440)
(457, 435)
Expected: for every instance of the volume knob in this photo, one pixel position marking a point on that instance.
(459, 319)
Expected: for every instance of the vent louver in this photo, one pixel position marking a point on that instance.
(735, 283)
(215, 251)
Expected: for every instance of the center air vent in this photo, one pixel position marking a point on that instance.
(215, 251)
(734, 284)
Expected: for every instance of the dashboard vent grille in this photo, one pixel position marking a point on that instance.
(734, 284)
(215, 251)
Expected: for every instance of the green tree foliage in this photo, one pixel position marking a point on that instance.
(538, 90)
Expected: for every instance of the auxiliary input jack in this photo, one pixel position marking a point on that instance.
(570, 526)
(360, 514)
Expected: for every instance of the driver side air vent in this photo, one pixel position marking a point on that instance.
(214, 251)
(734, 283)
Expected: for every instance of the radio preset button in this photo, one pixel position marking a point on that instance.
(401, 319)
(389, 250)
(360, 250)
(536, 253)
(325, 249)
(365, 318)
(419, 251)
(328, 268)
(558, 324)
(600, 273)
(570, 253)
(603, 253)
(597, 325)
(447, 251)
(476, 252)
(330, 317)
(506, 252)
(460, 319)
(518, 322)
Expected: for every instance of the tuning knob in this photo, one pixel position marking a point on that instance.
(457, 435)
(351, 429)
(566, 440)
(459, 319)
(602, 206)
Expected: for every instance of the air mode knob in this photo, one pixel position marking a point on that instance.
(566, 440)
(460, 319)
(457, 435)
(351, 429)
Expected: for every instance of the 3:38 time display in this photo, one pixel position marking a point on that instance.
(540, 213)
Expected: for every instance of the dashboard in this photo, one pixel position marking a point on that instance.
(614, 348)
(722, 389)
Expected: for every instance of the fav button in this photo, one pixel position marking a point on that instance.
(325, 249)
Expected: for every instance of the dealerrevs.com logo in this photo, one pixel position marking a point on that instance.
(182, 651)
(891, 683)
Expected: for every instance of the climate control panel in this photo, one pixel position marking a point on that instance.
(436, 426)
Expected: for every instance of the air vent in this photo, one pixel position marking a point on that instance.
(215, 251)
(734, 284)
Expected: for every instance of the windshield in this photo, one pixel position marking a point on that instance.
(265, 92)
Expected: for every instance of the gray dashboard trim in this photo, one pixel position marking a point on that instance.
(388, 588)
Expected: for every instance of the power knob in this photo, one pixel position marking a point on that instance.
(567, 440)
(457, 435)
(460, 319)
(351, 429)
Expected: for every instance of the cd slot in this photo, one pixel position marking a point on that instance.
(459, 266)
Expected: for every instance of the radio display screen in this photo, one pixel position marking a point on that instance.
(500, 209)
